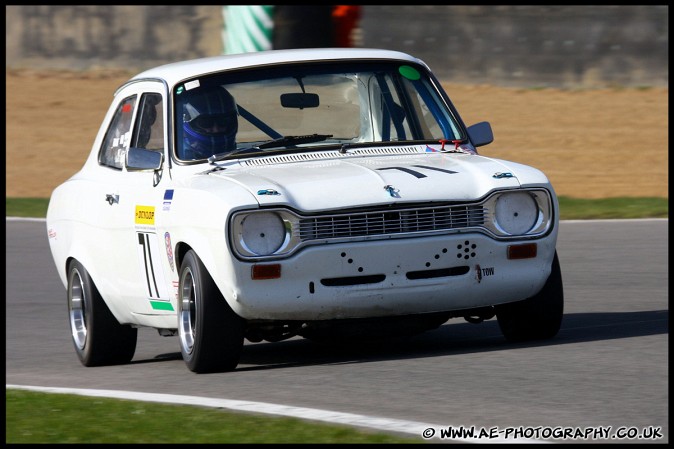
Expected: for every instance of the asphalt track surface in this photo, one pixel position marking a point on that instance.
(605, 375)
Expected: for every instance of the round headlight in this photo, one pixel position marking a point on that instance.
(262, 233)
(516, 213)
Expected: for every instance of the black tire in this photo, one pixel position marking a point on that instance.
(211, 333)
(538, 317)
(98, 337)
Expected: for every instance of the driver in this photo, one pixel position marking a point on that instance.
(209, 122)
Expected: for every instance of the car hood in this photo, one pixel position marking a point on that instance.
(356, 180)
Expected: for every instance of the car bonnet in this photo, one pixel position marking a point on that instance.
(348, 182)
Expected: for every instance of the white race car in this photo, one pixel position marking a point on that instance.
(321, 193)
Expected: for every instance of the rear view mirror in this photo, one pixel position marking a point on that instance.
(299, 100)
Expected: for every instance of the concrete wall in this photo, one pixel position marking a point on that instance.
(560, 46)
(530, 45)
(128, 37)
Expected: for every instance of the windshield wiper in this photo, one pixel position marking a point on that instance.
(228, 154)
(284, 141)
(293, 140)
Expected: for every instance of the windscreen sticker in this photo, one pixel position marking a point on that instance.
(192, 85)
(409, 72)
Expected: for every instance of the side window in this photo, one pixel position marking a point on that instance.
(149, 129)
(118, 137)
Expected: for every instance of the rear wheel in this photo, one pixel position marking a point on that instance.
(98, 337)
(538, 317)
(211, 333)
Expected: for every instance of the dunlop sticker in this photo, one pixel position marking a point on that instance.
(145, 215)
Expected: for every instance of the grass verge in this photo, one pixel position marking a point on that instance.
(35, 417)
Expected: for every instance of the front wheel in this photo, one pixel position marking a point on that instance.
(538, 317)
(211, 333)
(98, 337)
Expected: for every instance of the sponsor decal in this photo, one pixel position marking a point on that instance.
(161, 305)
(168, 198)
(175, 289)
(51, 233)
(466, 149)
(169, 250)
(145, 215)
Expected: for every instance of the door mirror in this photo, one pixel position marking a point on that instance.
(138, 159)
(480, 134)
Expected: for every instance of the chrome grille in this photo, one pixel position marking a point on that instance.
(390, 222)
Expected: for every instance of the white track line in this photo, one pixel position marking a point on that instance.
(400, 426)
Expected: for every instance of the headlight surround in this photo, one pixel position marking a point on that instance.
(263, 233)
(520, 213)
(515, 213)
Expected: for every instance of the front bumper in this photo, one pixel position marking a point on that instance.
(389, 278)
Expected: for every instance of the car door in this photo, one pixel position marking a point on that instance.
(98, 204)
(138, 254)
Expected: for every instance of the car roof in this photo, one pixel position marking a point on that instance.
(175, 72)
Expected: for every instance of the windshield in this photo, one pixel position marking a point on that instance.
(302, 106)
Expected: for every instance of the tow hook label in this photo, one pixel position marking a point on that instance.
(483, 272)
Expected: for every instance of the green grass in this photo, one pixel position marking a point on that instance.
(570, 208)
(34, 417)
(582, 209)
(26, 207)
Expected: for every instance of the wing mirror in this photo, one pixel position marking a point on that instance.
(480, 134)
(138, 159)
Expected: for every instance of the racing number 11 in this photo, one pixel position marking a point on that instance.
(148, 247)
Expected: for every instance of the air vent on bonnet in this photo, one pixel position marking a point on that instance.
(301, 157)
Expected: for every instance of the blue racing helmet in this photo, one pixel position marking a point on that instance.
(209, 122)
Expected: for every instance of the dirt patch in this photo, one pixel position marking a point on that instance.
(590, 143)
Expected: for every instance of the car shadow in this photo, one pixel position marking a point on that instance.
(454, 337)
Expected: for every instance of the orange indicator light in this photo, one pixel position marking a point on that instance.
(525, 251)
(267, 271)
